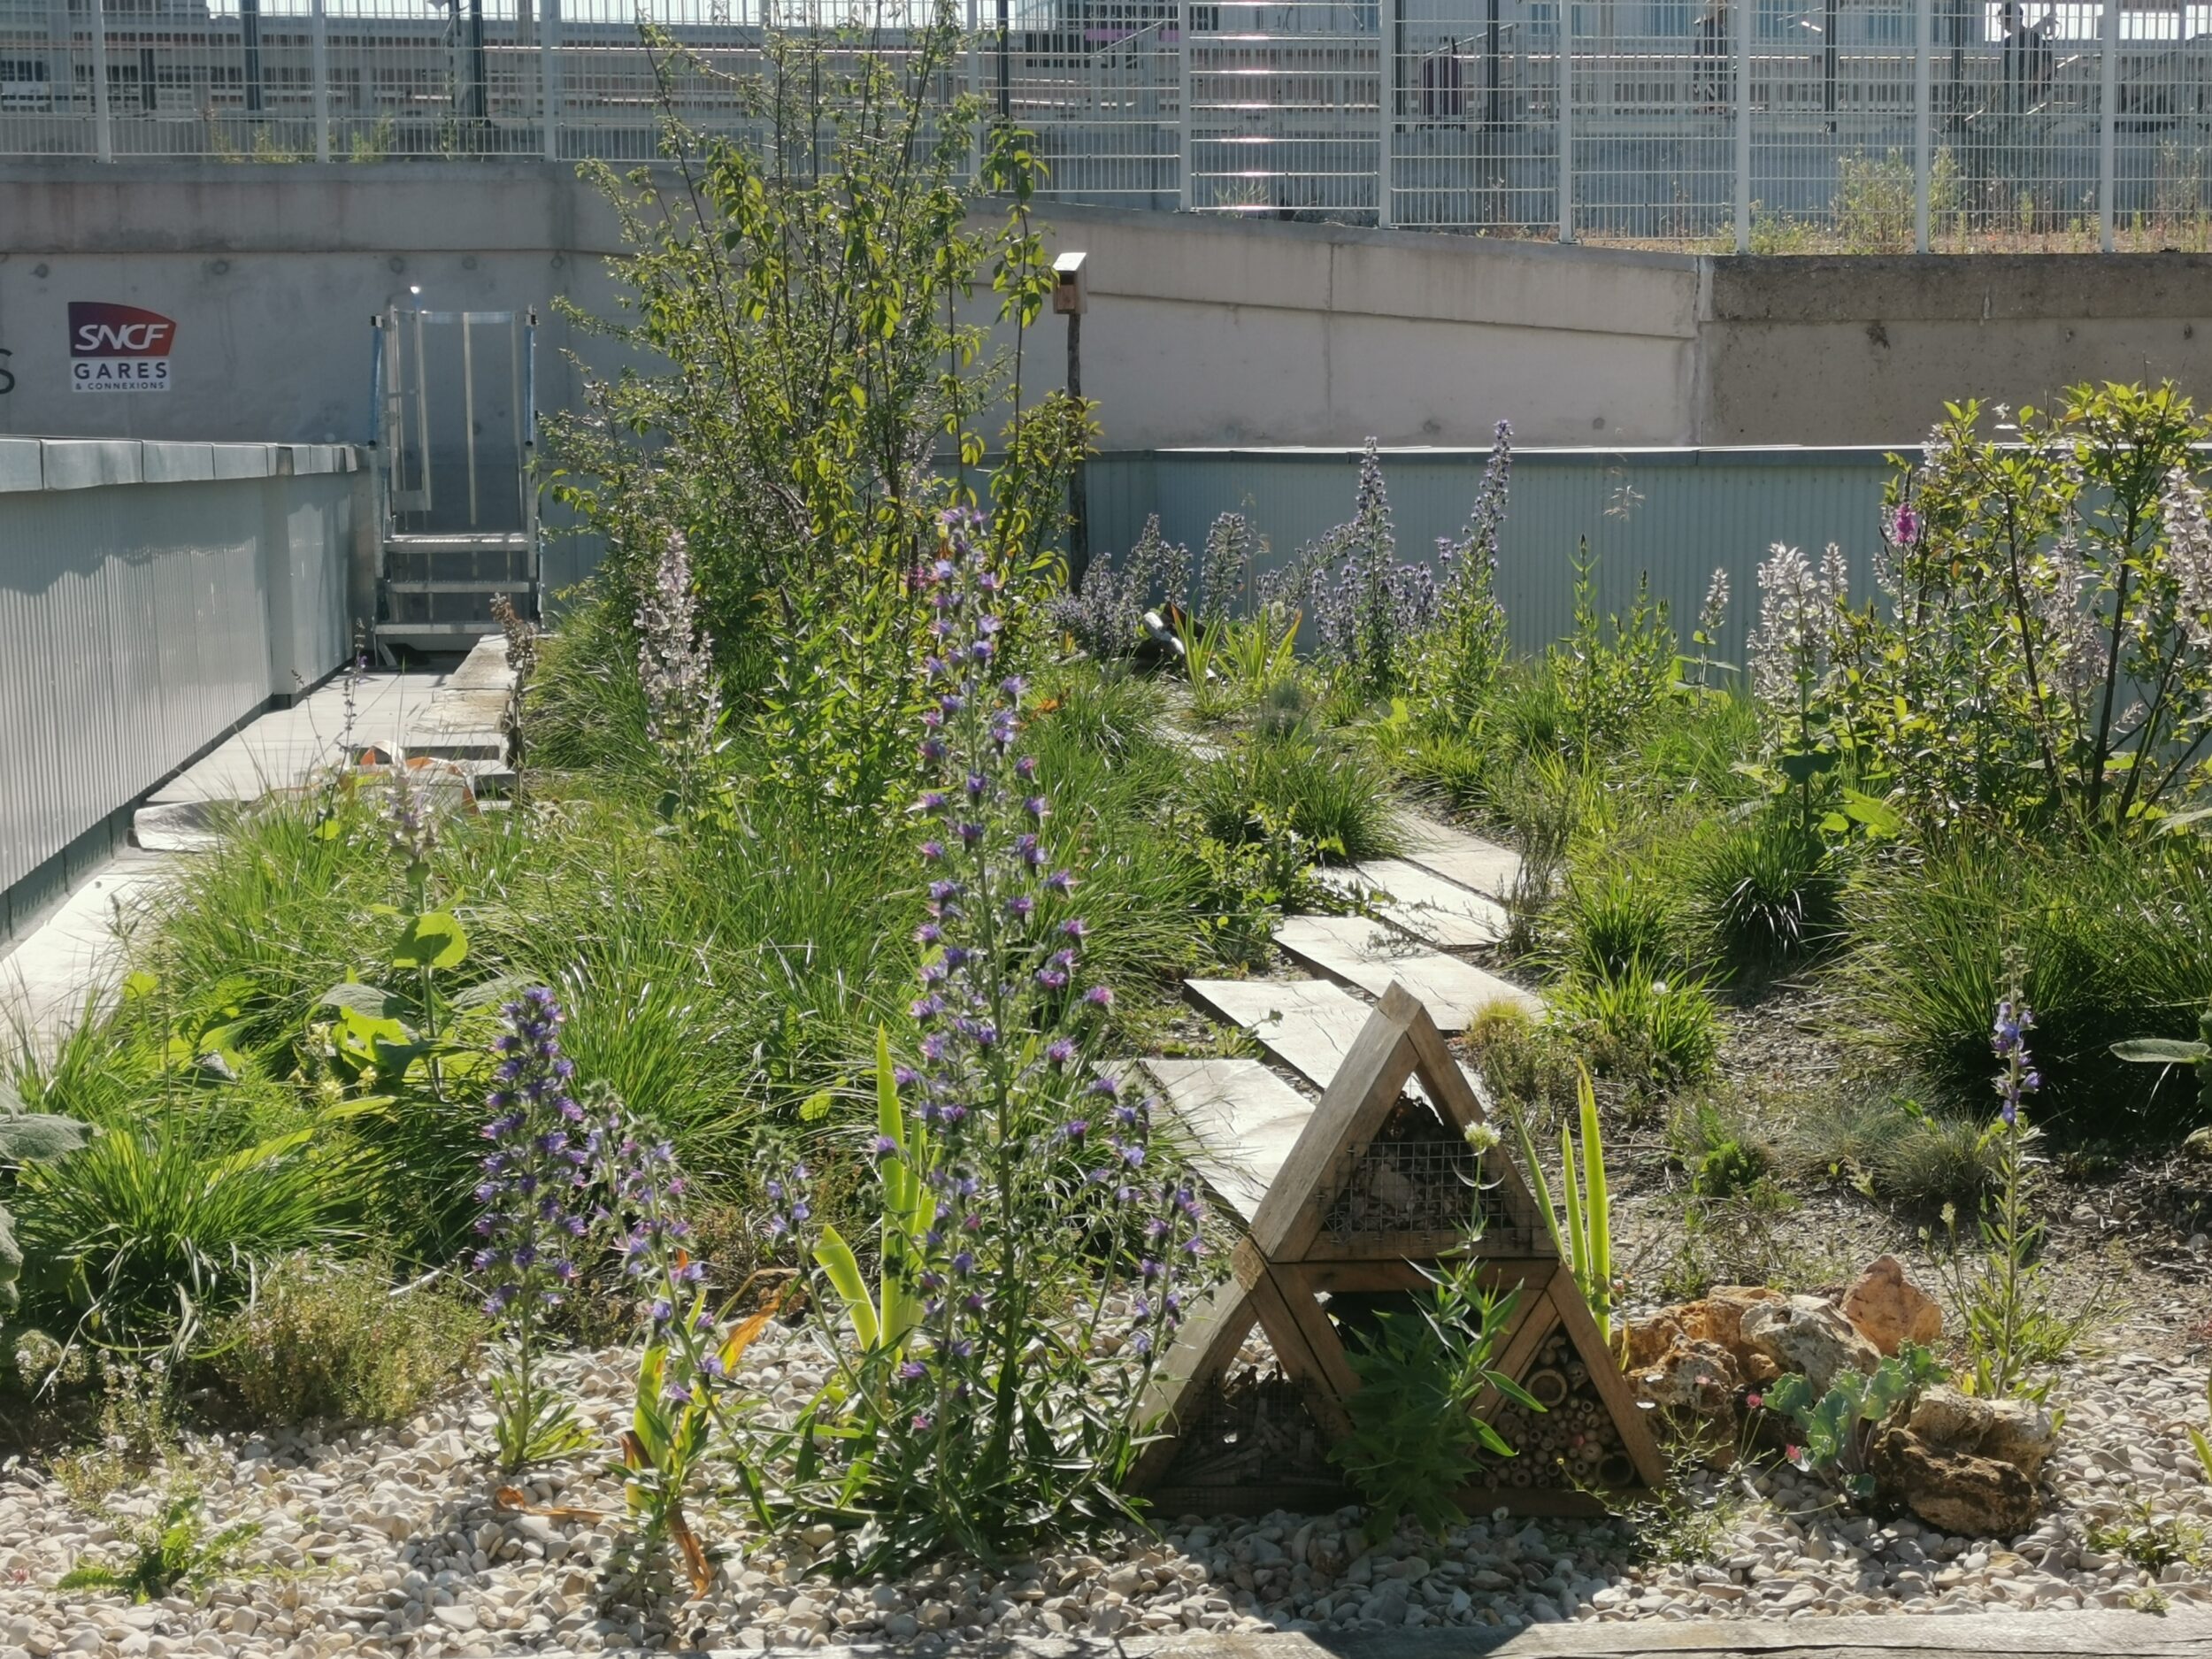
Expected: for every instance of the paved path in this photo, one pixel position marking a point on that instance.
(71, 960)
(1243, 1117)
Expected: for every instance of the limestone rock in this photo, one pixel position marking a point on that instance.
(1971, 1496)
(1806, 1335)
(1690, 1376)
(1889, 1310)
(1719, 1315)
(2014, 1432)
(1649, 1340)
(1714, 1319)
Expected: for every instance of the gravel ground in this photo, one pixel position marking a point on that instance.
(389, 1542)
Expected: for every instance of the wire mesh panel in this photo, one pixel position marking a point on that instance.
(1474, 129)
(1653, 125)
(1284, 116)
(2163, 128)
(1799, 125)
(2016, 99)
(1834, 134)
(1100, 84)
(46, 103)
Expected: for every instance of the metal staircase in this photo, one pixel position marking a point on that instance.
(457, 434)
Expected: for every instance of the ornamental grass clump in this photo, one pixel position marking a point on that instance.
(1038, 1246)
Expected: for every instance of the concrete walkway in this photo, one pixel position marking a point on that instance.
(1441, 899)
(72, 959)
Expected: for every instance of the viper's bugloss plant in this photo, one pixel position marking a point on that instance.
(1368, 609)
(1040, 1247)
(2004, 1302)
(1466, 651)
(1104, 613)
(539, 1212)
(1227, 566)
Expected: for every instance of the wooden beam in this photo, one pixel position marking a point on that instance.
(1352, 1110)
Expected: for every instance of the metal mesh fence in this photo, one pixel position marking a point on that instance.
(1762, 125)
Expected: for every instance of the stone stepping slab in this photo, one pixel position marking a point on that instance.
(1359, 951)
(1460, 857)
(1243, 1119)
(1422, 903)
(1308, 1025)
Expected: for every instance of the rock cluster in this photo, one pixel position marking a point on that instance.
(1966, 1465)
(1744, 1336)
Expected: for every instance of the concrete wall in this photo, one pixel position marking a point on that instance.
(1203, 330)
(1867, 351)
(152, 594)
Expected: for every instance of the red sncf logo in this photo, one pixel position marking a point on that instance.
(98, 329)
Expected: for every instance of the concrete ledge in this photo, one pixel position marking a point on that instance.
(1977, 288)
(89, 463)
(20, 465)
(176, 463)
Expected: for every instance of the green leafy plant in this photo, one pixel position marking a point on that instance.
(2150, 1540)
(2198, 1439)
(881, 1320)
(1203, 647)
(27, 1137)
(147, 1232)
(2164, 1051)
(1306, 779)
(1834, 1429)
(2044, 635)
(1581, 1227)
(1612, 669)
(335, 1340)
(1729, 1168)
(1259, 652)
(2105, 938)
(1613, 918)
(1937, 1160)
(1417, 1439)
(1636, 1025)
(802, 346)
(170, 1550)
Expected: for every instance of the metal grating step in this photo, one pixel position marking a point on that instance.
(488, 585)
(490, 542)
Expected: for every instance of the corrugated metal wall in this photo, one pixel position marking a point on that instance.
(140, 620)
(1674, 514)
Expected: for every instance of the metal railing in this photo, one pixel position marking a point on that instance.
(1760, 125)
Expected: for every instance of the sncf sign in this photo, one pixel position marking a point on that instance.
(118, 348)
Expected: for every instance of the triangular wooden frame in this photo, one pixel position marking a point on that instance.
(1290, 1260)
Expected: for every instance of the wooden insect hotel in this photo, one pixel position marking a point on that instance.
(1382, 1177)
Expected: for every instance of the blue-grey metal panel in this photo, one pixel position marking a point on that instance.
(140, 621)
(1676, 515)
